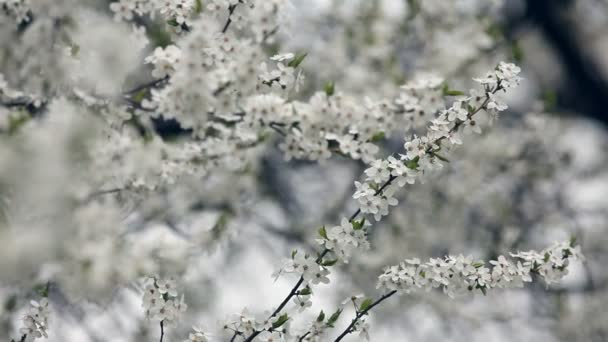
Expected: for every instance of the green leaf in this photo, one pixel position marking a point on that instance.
(43, 289)
(74, 50)
(329, 262)
(517, 52)
(330, 88)
(221, 225)
(450, 92)
(198, 8)
(323, 233)
(411, 164)
(293, 253)
(378, 136)
(334, 318)
(297, 60)
(321, 316)
(140, 95)
(547, 256)
(280, 321)
(549, 99)
(477, 264)
(495, 31)
(173, 22)
(572, 241)
(366, 304)
(16, 121)
(305, 291)
(484, 290)
(358, 225)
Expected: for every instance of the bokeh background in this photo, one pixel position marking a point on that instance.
(539, 175)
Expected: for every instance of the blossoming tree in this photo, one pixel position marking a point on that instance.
(124, 117)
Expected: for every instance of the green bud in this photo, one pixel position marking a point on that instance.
(330, 88)
(282, 319)
(321, 316)
(323, 233)
(297, 60)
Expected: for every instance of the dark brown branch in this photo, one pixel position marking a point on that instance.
(231, 9)
(351, 326)
(162, 330)
(151, 84)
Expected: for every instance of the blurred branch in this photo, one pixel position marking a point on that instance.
(586, 87)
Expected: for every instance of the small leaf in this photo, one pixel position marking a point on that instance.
(173, 22)
(378, 136)
(321, 316)
(305, 291)
(293, 253)
(43, 289)
(329, 262)
(477, 264)
(280, 321)
(572, 241)
(410, 164)
(74, 50)
(139, 96)
(518, 52)
(450, 92)
(549, 99)
(333, 318)
(330, 88)
(358, 225)
(323, 233)
(199, 6)
(298, 59)
(366, 304)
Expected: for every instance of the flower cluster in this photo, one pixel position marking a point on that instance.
(164, 60)
(262, 17)
(344, 239)
(284, 76)
(457, 275)
(18, 9)
(161, 302)
(245, 324)
(198, 335)
(176, 12)
(505, 74)
(36, 320)
(551, 263)
(422, 154)
(422, 97)
(304, 265)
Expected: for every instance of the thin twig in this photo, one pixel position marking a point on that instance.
(303, 336)
(231, 9)
(294, 290)
(150, 84)
(162, 330)
(362, 313)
